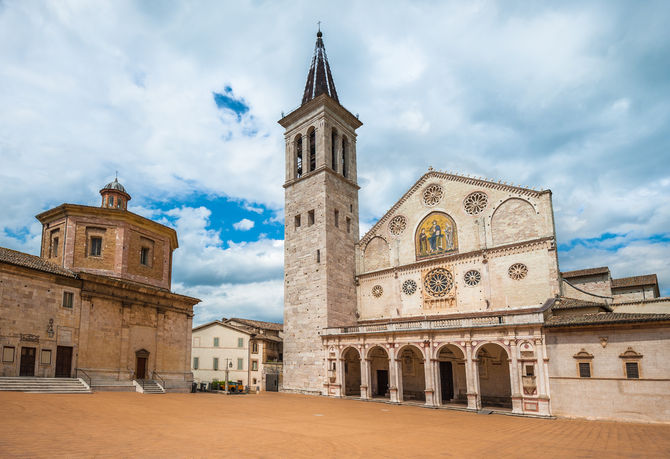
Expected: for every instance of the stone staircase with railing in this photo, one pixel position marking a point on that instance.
(44, 385)
(149, 386)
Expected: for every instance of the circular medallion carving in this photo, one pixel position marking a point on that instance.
(475, 203)
(397, 225)
(438, 282)
(377, 291)
(517, 271)
(409, 287)
(472, 277)
(432, 194)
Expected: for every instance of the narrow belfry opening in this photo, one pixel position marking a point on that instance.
(298, 156)
(344, 156)
(333, 149)
(312, 150)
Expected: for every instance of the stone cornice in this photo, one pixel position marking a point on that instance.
(493, 251)
(321, 100)
(316, 172)
(454, 178)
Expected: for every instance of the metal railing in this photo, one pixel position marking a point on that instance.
(439, 324)
(156, 375)
(86, 378)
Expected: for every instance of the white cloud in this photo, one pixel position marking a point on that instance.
(244, 225)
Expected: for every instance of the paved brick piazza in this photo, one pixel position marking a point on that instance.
(287, 425)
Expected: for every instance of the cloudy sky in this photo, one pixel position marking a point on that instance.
(182, 98)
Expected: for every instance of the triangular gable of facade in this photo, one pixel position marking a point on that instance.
(431, 174)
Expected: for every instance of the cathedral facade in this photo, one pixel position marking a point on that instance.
(454, 298)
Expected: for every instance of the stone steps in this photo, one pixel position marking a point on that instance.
(44, 385)
(150, 387)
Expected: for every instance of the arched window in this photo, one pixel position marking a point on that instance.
(312, 149)
(344, 155)
(298, 156)
(333, 149)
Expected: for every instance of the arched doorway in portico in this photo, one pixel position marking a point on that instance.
(494, 378)
(379, 372)
(452, 383)
(412, 374)
(352, 372)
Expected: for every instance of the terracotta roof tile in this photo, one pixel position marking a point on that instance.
(31, 261)
(257, 323)
(586, 272)
(635, 281)
(574, 303)
(603, 318)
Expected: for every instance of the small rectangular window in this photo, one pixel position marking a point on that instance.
(530, 370)
(254, 365)
(584, 370)
(310, 218)
(297, 221)
(632, 370)
(45, 357)
(348, 225)
(144, 256)
(96, 246)
(240, 342)
(8, 354)
(240, 364)
(254, 348)
(215, 364)
(68, 299)
(196, 363)
(337, 218)
(216, 342)
(318, 256)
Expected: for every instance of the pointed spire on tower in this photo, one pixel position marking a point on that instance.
(319, 79)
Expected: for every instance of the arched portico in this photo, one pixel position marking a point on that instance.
(451, 376)
(411, 374)
(352, 372)
(378, 359)
(494, 376)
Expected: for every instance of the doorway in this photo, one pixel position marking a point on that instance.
(272, 382)
(27, 361)
(447, 381)
(141, 364)
(63, 362)
(382, 382)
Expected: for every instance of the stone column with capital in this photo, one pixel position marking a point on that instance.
(429, 373)
(339, 378)
(365, 378)
(394, 380)
(543, 379)
(472, 379)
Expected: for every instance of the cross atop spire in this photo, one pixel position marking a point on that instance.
(319, 79)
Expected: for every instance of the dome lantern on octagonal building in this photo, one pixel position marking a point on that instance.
(114, 196)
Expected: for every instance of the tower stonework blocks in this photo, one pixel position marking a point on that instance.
(321, 226)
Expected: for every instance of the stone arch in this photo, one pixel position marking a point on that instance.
(451, 376)
(352, 371)
(411, 373)
(435, 235)
(514, 220)
(311, 148)
(377, 254)
(299, 166)
(495, 387)
(379, 372)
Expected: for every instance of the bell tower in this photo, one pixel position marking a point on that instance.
(321, 225)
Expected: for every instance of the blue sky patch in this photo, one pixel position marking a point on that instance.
(227, 101)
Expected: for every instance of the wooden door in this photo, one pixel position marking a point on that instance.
(27, 361)
(141, 369)
(446, 381)
(382, 382)
(63, 362)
